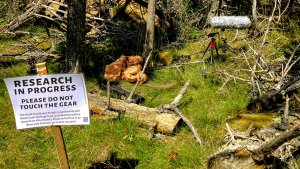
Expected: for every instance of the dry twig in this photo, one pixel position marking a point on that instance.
(173, 106)
(129, 99)
(108, 97)
(230, 133)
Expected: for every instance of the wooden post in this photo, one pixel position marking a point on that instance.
(60, 147)
(56, 130)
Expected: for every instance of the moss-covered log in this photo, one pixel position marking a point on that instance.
(165, 122)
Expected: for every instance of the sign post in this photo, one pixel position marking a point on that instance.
(56, 130)
(49, 100)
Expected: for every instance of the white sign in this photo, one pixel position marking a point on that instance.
(46, 100)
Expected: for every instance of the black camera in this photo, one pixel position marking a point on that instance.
(212, 34)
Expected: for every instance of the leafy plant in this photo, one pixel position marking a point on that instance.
(173, 155)
(60, 48)
(129, 136)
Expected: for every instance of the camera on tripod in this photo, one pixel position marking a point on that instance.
(212, 34)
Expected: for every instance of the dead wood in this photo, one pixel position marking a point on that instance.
(288, 66)
(230, 133)
(25, 17)
(186, 120)
(178, 65)
(239, 135)
(253, 152)
(254, 15)
(284, 119)
(166, 122)
(173, 106)
(26, 56)
(96, 110)
(247, 133)
(257, 71)
(60, 4)
(50, 10)
(266, 149)
(176, 100)
(234, 77)
(267, 31)
(235, 72)
(108, 97)
(223, 85)
(252, 78)
(235, 37)
(214, 6)
(129, 99)
(296, 97)
(258, 58)
(19, 33)
(280, 14)
(263, 101)
(151, 129)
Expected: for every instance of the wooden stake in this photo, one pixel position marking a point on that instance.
(56, 130)
(60, 147)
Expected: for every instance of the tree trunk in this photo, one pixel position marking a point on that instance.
(75, 54)
(149, 43)
(165, 122)
(212, 12)
(254, 16)
(219, 7)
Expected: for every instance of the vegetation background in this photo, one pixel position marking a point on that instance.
(91, 146)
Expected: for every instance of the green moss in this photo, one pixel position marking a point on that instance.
(242, 121)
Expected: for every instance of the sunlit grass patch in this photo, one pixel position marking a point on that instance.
(241, 121)
(7, 47)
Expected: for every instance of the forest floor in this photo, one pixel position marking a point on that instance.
(207, 110)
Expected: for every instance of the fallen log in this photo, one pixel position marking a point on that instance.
(263, 101)
(24, 18)
(268, 148)
(108, 114)
(264, 149)
(165, 122)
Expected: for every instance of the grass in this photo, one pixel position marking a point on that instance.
(7, 48)
(87, 145)
(34, 148)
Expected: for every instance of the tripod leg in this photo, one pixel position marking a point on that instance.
(211, 56)
(229, 47)
(204, 53)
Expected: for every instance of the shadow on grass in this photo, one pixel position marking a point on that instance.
(115, 162)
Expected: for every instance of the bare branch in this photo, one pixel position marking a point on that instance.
(61, 4)
(230, 133)
(284, 120)
(188, 123)
(108, 97)
(225, 73)
(129, 99)
(268, 147)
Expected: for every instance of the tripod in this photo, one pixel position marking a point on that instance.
(225, 46)
(213, 46)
